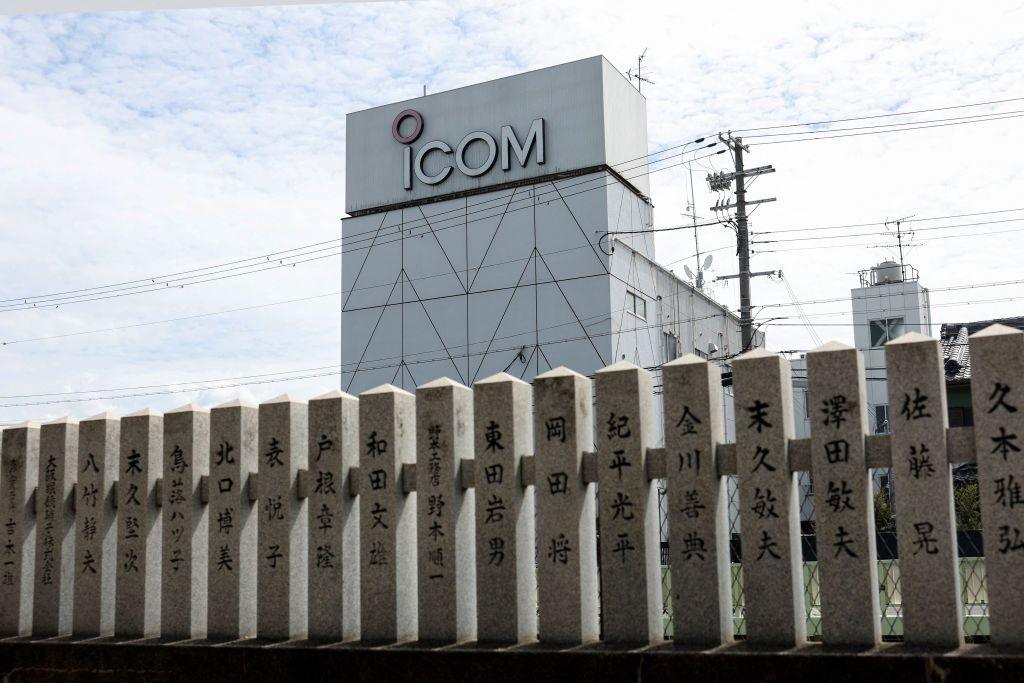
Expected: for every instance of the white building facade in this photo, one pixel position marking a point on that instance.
(481, 236)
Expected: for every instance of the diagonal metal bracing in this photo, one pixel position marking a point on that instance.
(374, 330)
(434, 327)
(365, 259)
(582, 231)
(501, 317)
(483, 258)
(446, 258)
(583, 327)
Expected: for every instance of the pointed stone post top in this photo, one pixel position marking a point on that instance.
(912, 338)
(996, 330)
(105, 415)
(559, 372)
(188, 408)
(283, 398)
(619, 366)
(688, 359)
(145, 412)
(499, 377)
(442, 383)
(27, 424)
(236, 403)
(331, 395)
(832, 346)
(386, 389)
(755, 354)
(67, 419)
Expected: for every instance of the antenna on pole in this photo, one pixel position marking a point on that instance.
(640, 79)
(898, 222)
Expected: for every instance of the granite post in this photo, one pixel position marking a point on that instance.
(445, 519)
(387, 518)
(844, 504)
(631, 549)
(566, 526)
(769, 513)
(55, 542)
(333, 518)
(506, 580)
(922, 482)
(698, 518)
(186, 443)
(231, 523)
(137, 602)
(281, 569)
(19, 471)
(997, 396)
(95, 533)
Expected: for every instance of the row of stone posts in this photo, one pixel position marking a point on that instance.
(457, 514)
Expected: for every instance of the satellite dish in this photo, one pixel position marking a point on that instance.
(707, 262)
(689, 273)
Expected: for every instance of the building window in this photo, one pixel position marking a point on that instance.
(699, 353)
(671, 343)
(885, 330)
(881, 419)
(636, 304)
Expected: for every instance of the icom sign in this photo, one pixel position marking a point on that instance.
(474, 155)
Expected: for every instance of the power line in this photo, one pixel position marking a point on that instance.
(890, 130)
(872, 234)
(975, 118)
(878, 116)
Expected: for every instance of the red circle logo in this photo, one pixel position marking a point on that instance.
(411, 137)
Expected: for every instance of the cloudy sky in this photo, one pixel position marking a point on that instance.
(136, 145)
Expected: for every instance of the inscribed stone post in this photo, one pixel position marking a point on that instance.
(631, 548)
(387, 520)
(770, 541)
(55, 542)
(186, 446)
(137, 603)
(566, 528)
(445, 517)
(997, 395)
(281, 568)
(95, 533)
(844, 505)
(231, 545)
(698, 519)
(506, 580)
(925, 529)
(333, 518)
(19, 462)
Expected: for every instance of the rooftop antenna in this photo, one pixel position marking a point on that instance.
(640, 80)
(898, 222)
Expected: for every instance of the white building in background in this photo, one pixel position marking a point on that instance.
(489, 230)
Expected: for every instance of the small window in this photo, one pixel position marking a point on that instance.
(885, 330)
(671, 343)
(636, 304)
(699, 353)
(881, 419)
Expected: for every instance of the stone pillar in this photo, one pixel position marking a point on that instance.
(631, 548)
(566, 527)
(387, 521)
(769, 511)
(506, 579)
(138, 530)
(997, 396)
(55, 542)
(925, 528)
(186, 442)
(445, 517)
(844, 504)
(19, 463)
(333, 518)
(698, 519)
(231, 543)
(95, 535)
(281, 569)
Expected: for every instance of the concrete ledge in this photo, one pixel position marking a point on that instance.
(22, 660)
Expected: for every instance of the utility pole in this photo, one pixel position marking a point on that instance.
(721, 181)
